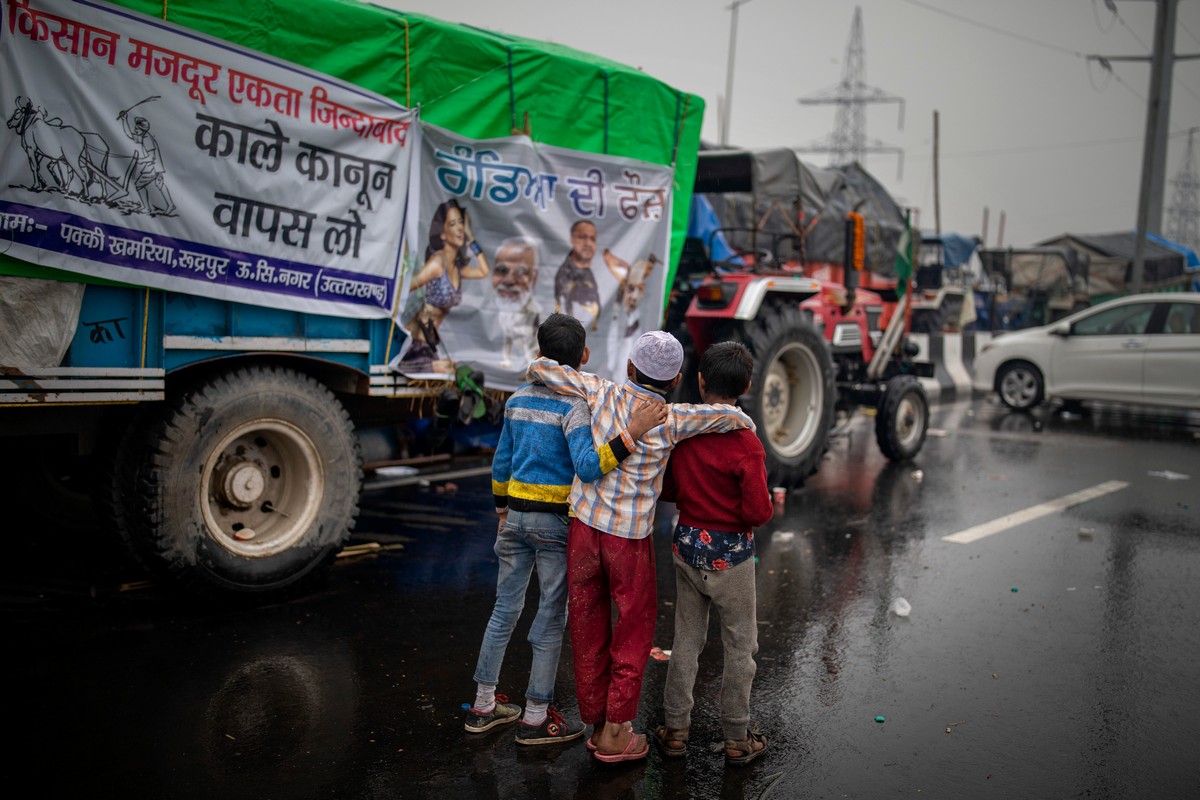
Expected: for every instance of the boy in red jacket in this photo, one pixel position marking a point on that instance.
(719, 483)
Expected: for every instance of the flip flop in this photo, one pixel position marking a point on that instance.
(637, 748)
(590, 745)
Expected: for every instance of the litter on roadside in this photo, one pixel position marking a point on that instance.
(397, 471)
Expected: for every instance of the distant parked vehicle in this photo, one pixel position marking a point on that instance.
(1141, 349)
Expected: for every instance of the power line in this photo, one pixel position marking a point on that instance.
(1034, 148)
(994, 29)
(1188, 31)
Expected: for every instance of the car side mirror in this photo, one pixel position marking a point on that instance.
(1061, 330)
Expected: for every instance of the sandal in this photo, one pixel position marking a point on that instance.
(745, 748)
(663, 736)
(592, 745)
(637, 748)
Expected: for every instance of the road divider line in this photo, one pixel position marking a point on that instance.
(1034, 512)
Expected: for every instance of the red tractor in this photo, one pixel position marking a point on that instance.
(819, 348)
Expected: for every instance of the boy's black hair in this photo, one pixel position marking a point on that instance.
(644, 380)
(562, 338)
(726, 367)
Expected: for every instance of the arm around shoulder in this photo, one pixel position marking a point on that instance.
(564, 380)
(688, 419)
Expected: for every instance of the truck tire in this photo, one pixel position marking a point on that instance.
(791, 397)
(114, 494)
(50, 484)
(902, 418)
(249, 485)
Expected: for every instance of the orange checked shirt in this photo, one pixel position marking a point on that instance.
(622, 502)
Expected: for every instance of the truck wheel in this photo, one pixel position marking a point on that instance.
(115, 493)
(1019, 385)
(50, 484)
(791, 397)
(249, 486)
(902, 418)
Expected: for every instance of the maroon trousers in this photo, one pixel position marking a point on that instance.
(610, 657)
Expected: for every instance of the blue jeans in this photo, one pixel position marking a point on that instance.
(528, 538)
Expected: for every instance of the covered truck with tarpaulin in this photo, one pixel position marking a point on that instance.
(235, 235)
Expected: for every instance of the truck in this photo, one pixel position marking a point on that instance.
(1033, 286)
(944, 279)
(221, 440)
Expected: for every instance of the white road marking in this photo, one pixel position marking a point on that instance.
(1034, 512)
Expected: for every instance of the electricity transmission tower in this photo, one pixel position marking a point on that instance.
(848, 143)
(1183, 215)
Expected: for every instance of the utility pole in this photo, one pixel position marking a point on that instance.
(983, 237)
(937, 199)
(727, 101)
(1158, 114)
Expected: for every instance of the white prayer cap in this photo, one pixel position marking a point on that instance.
(658, 355)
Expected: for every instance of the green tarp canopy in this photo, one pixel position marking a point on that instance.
(474, 82)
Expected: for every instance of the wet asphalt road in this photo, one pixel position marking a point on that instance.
(1052, 659)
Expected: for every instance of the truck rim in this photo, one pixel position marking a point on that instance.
(792, 400)
(261, 488)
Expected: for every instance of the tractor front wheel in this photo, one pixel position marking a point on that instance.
(902, 418)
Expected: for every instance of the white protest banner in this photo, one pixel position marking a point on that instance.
(144, 152)
(514, 230)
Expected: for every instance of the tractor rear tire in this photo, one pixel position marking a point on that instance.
(792, 394)
(902, 418)
(249, 485)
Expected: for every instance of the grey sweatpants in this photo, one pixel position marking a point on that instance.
(731, 593)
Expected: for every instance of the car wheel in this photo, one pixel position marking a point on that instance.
(1020, 385)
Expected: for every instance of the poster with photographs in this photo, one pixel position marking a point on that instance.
(510, 231)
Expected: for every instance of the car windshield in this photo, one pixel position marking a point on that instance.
(1123, 320)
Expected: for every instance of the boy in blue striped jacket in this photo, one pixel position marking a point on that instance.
(545, 442)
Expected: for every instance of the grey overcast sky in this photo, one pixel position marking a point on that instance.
(1028, 127)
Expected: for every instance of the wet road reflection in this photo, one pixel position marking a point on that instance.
(1054, 659)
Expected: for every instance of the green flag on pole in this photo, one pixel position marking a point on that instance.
(904, 257)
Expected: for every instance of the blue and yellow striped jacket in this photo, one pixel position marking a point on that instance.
(545, 442)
